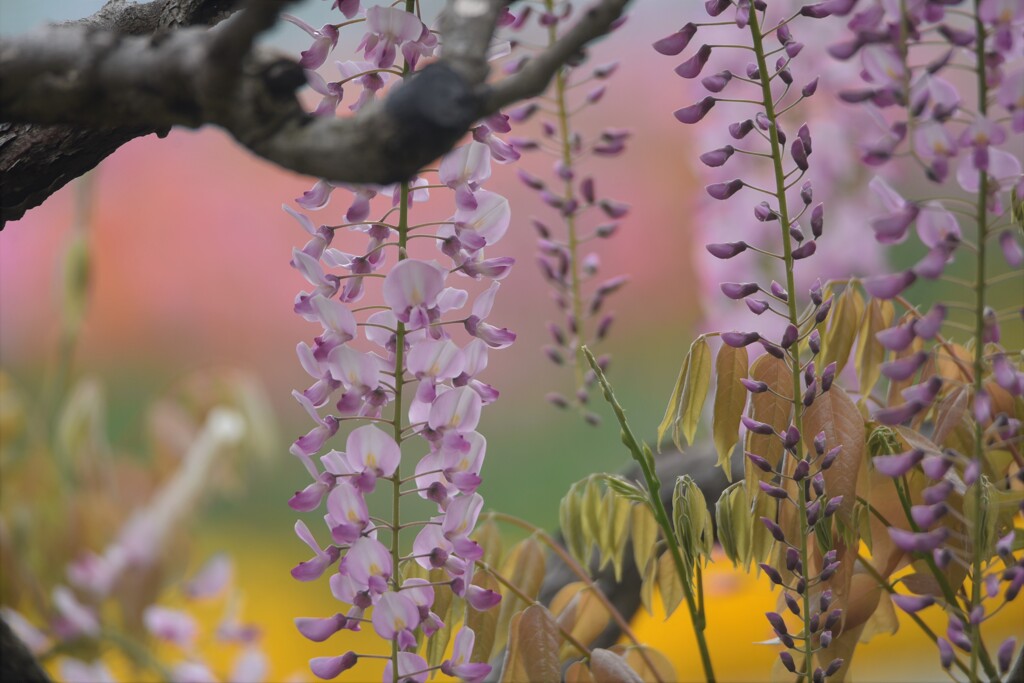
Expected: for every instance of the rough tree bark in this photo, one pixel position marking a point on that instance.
(96, 74)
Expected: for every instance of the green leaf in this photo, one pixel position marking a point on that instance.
(672, 410)
(570, 517)
(669, 584)
(730, 398)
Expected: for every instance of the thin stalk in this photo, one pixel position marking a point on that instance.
(396, 425)
(979, 351)
(646, 461)
(794, 351)
(569, 195)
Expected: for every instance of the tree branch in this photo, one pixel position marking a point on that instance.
(37, 160)
(86, 75)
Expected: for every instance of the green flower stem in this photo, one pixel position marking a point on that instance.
(794, 350)
(569, 194)
(645, 459)
(977, 646)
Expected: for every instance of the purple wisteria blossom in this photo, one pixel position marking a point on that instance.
(396, 394)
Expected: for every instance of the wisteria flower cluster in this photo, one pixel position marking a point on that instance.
(398, 371)
(583, 213)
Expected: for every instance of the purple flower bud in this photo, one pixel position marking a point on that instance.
(912, 542)
(718, 156)
(724, 190)
(982, 406)
(674, 44)
(828, 571)
(739, 290)
(956, 635)
(791, 438)
(740, 129)
(789, 336)
(772, 349)
(822, 313)
(759, 462)
(777, 622)
(912, 603)
(817, 219)
(1005, 653)
(603, 326)
(587, 190)
(833, 618)
(804, 250)
(935, 466)
(899, 414)
(830, 457)
(557, 400)
(757, 306)
(810, 394)
(773, 491)
(1004, 546)
(990, 331)
(972, 472)
(813, 512)
(754, 386)
(818, 10)
(770, 572)
(814, 342)
(531, 181)
(833, 505)
(819, 443)
(793, 560)
(895, 466)
(834, 667)
(763, 212)
(896, 338)
(977, 615)
(716, 7)
(613, 209)
(828, 376)
(716, 82)
(826, 640)
(889, 286)
(774, 529)
(692, 67)
(946, 655)
(738, 340)
(799, 154)
(606, 230)
(937, 492)
(695, 112)
(810, 88)
(753, 74)
(904, 368)
(1011, 250)
(926, 516)
(929, 325)
(818, 483)
(726, 250)
(757, 427)
(787, 661)
(331, 667)
(791, 603)
(796, 233)
(807, 192)
(779, 291)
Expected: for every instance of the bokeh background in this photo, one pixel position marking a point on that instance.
(190, 275)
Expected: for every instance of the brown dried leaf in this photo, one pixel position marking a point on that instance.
(730, 398)
(842, 331)
(950, 413)
(578, 673)
(532, 654)
(524, 568)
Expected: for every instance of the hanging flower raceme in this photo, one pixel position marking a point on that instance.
(581, 212)
(794, 451)
(396, 395)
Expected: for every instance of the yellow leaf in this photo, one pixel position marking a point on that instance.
(672, 410)
(698, 381)
(650, 664)
(644, 531)
(669, 584)
(842, 329)
(650, 576)
(730, 399)
(580, 613)
(870, 352)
